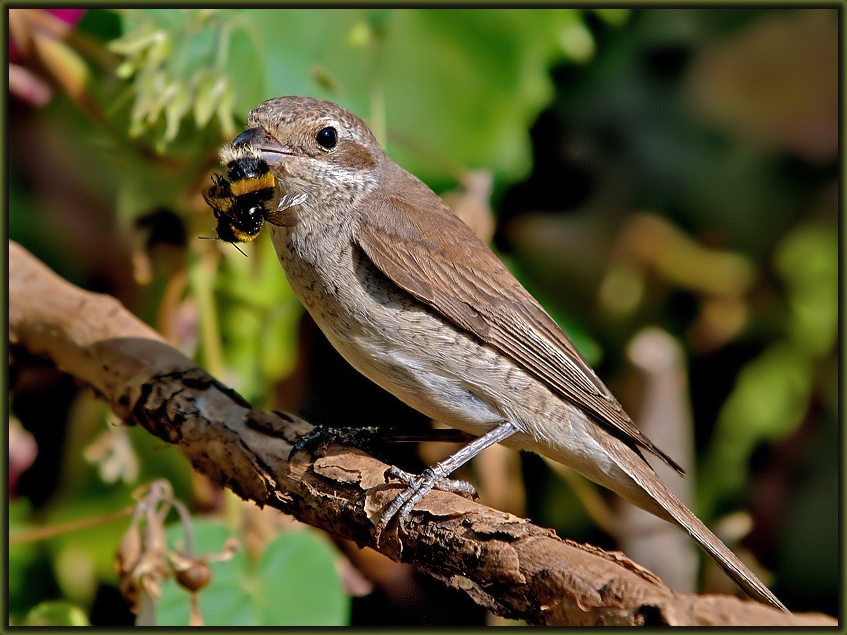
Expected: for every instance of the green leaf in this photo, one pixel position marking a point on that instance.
(294, 583)
(259, 317)
(227, 600)
(300, 584)
(175, 108)
(209, 88)
(458, 86)
(808, 262)
(768, 402)
(615, 17)
(56, 613)
(23, 556)
(135, 40)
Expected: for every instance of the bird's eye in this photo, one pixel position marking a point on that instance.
(327, 138)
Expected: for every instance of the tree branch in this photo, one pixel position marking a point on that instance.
(505, 563)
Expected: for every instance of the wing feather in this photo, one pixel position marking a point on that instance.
(460, 278)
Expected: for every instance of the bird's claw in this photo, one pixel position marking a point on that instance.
(418, 486)
(439, 482)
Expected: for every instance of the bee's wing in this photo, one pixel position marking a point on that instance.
(285, 215)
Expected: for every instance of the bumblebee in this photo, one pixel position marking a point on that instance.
(243, 200)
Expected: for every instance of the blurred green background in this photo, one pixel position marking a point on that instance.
(670, 168)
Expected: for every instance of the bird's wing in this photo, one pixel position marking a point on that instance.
(426, 250)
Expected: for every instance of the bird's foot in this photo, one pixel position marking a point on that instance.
(418, 486)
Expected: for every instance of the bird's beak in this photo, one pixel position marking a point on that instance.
(272, 150)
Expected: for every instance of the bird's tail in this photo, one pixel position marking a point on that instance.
(670, 508)
(644, 489)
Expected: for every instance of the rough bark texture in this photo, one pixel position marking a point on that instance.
(503, 562)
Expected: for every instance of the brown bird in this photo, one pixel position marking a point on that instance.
(411, 298)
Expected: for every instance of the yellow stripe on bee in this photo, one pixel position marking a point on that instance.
(246, 186)
(241, 236)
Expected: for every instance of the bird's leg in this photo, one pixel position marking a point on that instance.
(435, 477)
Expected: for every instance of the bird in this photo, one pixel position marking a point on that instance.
(416, 302)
